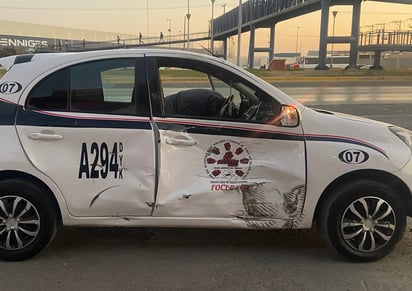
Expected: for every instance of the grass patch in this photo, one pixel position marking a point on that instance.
(173, 75)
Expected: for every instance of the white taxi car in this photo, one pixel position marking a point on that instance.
(163, 138)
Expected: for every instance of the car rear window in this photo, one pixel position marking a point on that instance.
(51, 93)
(106, 86)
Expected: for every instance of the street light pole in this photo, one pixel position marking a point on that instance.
(188, 25)
(147, 17)
(184, 32)
(211, 30)
(170, 31)
(334, 13)
(224, 8)
(297, 38)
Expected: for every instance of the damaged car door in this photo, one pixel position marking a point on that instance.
(224, 151)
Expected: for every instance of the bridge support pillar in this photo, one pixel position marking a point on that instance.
(251, 58)
(353, 40)
(377, 61)
(323, 43)
(354, 45)
(272, 43)
(252, 49)
(224, 44)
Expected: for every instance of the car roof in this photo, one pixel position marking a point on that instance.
(8, 62)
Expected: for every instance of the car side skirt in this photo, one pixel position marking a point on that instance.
(187, 222)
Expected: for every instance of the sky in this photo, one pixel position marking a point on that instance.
(130, 17)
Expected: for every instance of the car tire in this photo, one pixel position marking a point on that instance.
(27, 220)
(362, 220)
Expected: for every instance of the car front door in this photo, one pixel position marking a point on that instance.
(223, 150)
(87, 127)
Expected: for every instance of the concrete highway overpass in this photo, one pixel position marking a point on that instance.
(254, 14)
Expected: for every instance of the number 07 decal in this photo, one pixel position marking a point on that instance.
(10, 87)
(353, 156)
(104, 163)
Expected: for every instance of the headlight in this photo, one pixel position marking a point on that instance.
(403, 134)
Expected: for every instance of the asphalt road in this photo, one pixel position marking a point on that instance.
(328, 94)
(182, 259)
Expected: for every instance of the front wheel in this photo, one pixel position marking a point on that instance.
(363, 220)
(27, 220)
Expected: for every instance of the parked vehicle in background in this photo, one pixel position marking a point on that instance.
(366, 67)
(310, 62)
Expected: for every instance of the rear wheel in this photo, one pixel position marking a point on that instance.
(363, 220)
(27, 220)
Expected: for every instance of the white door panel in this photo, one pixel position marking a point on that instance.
(100, 171)
(84, 126)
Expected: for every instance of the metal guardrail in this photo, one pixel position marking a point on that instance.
(372, 40)
(140, 42)
(382, 40)
(382, 37)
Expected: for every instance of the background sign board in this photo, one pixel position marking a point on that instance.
(26, 41)
(32, 42)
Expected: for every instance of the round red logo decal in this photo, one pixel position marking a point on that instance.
(227, 160)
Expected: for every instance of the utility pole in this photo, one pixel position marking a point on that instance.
(399, 23)
(383, 25)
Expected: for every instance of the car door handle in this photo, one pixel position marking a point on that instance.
(180, 141)
(45, 136)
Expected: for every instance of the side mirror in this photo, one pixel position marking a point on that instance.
(289, 116)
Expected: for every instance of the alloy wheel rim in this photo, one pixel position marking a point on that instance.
(19, 223)
(368, 224)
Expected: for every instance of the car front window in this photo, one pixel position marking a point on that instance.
(194, 89)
